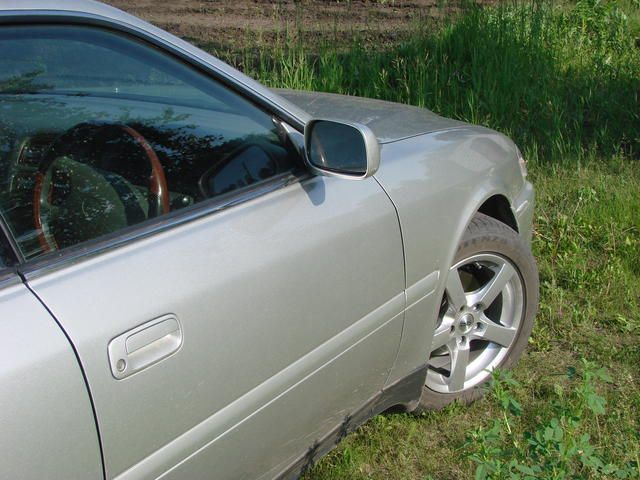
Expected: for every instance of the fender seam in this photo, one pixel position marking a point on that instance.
(404, 290)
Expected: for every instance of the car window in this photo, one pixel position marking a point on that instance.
(99, 131)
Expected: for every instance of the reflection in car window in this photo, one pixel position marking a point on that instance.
(99, 132)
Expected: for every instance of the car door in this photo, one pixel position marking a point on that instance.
(228, 308)
(47, 425)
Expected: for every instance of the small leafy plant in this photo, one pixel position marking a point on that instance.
(557, 448)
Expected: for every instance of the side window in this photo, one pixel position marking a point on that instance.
(99, 132)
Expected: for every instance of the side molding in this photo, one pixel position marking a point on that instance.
(422, 288)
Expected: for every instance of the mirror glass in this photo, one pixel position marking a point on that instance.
(337, 147)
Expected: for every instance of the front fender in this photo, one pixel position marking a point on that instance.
(437, 183)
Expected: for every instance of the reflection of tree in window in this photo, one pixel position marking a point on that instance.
(208, 139)
(24, 83)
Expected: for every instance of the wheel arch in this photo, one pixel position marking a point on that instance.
(490, 199)
(498, 207)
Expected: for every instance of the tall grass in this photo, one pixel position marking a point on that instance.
(563, 81)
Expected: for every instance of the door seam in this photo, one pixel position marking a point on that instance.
(84, 375)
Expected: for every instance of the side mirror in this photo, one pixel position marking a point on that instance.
(339, 149)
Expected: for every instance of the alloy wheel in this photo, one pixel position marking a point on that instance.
(479, 319)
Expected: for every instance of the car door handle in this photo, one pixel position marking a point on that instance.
(144, 345)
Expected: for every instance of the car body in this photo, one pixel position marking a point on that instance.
(242, 329)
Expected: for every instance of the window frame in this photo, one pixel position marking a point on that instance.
(58, 259)
(8, 272)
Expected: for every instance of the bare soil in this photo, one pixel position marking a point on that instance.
(227, 25)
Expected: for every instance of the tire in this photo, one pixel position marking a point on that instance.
(486, 314)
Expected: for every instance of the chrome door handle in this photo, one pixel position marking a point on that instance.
(144, 345)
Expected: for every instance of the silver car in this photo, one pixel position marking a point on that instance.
(204, 278)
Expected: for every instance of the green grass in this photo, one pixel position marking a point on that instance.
(563, 80)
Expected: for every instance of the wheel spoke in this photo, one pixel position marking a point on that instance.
(455, 292)
(442, 335)
(496, 333)
(459, 362)
(492, 289)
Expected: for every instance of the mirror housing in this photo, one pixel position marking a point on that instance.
(341, 149)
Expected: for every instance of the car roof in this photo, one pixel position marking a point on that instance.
(79, 8)
(89, 7)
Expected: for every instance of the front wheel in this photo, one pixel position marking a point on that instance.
(486, 314)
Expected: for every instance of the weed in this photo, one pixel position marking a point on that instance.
(559, 447)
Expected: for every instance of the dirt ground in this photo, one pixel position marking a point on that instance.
(218, 24)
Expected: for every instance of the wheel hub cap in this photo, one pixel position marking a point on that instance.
(465, 323)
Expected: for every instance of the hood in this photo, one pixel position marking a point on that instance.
(389, 121)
